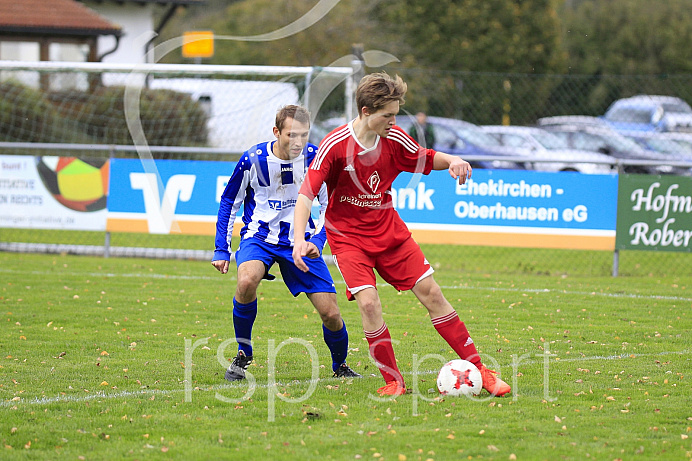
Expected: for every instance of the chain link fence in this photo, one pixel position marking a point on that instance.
(215, 112)
(521, 99)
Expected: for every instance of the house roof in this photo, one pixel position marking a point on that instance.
(159, 2)
(53, 17)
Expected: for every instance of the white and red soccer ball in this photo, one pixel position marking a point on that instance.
(459, 377)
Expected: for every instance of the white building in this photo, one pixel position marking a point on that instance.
(114, 31)
(138, 23)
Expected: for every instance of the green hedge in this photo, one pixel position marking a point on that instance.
(168, 118)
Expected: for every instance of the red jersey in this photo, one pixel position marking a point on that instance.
(359, 179)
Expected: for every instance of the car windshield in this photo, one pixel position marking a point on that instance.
(473, 135)
(550, 141)
(513, 140)
(677, 108)
(685, 142)
(668, 146)
(629, 115)
(623, 144)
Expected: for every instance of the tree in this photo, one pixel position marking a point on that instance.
(521, 36)
(320, 44)
(481, 42)
(485, 61)
(621, 44)
(628, 36)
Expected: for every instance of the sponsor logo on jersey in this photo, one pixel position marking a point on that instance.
(349, 167)
(286, 174)
(374, 181)
(363, 200)
(278, 205)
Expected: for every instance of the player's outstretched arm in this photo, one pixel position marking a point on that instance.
(300, 221)
(458, 167)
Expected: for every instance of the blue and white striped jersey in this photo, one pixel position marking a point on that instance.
(267, 187)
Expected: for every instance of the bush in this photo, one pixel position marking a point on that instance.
(168, 118)
(27, 116)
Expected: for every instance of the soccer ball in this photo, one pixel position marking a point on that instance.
(459, 377)
(79, 184)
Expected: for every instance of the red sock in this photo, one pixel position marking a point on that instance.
(381, 350)
(455, 333)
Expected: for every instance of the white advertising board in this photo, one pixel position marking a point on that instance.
(50, 192)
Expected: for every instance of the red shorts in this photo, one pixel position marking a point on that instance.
(402, 267)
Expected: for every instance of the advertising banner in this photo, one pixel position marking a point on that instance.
(50, 192)
(496, 207)
(654, 213)
(166, 196)
(510, 208)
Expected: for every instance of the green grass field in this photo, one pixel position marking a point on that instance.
(94, 365)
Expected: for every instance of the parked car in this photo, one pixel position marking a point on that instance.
(610, 142)
(674, 148)
(682, 138)
(543, 145)
(677, 150)
(457, 137)
(649, 113)
(570, 120)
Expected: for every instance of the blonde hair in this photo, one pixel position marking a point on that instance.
(377, 90)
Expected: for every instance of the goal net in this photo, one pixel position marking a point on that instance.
(222, 107)
(95, 112)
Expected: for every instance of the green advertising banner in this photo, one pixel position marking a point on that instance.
(654, 213)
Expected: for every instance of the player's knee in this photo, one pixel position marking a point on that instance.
(370, 307)
(246, 288)
(436, 293)
(429, 292)
(332, 319)
(328, 310)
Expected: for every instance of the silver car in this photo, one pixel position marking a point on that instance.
(650, 113)
(608, 141)
(570, 120)
(543, 146)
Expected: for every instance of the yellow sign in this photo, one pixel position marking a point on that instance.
(198, 44)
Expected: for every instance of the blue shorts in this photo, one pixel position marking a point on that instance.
(317, 280)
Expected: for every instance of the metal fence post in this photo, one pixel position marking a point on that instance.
(616, 253)
(107, 245)
(358, 72)
(308, 82)
(616, 262)
(107, 239)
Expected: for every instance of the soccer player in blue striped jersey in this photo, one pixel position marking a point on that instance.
(266, 182)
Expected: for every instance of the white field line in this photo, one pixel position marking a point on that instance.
(218, 387)
(340, 282)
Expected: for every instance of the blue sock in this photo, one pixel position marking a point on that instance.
(243, 318)
(337, 342)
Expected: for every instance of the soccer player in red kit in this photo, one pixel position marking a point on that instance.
(358, 162)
